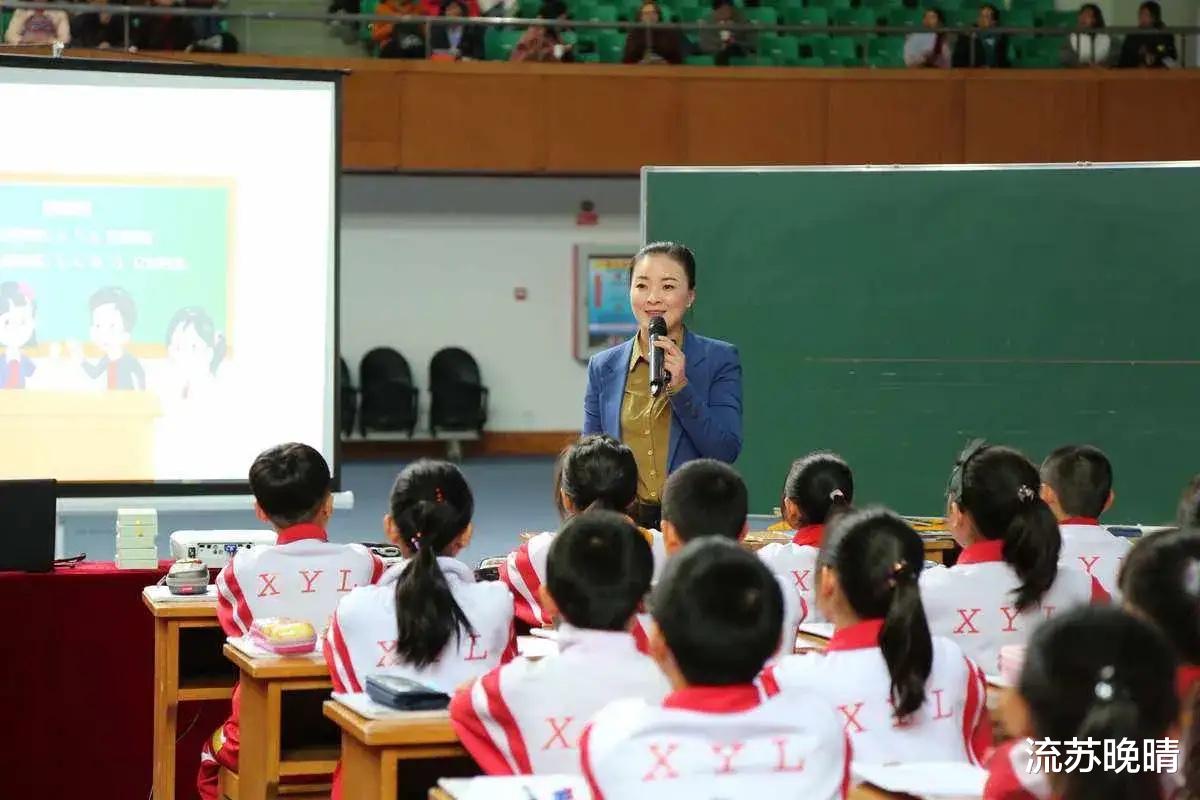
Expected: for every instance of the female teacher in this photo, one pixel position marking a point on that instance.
(700, 414)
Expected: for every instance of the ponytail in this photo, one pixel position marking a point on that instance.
(600, 474)
(821, 485)
(431, 506)
(878, 560)
(1111, 719)
(1001, 490)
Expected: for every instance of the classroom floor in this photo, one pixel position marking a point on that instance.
(511, 495)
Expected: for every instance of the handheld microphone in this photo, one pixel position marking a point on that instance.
(659, 377)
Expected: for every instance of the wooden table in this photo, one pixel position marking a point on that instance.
(187, 636)
(264, 759)
(936, 545)
(862, 791)
(372, 749)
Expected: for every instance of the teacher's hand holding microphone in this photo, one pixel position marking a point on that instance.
(670, 395)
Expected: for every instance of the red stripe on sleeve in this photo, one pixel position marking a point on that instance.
(473, 734)
(331, 661)
(342, 654)
(770, 686)
(977, 723)
(377, 568)
(240, 609)
(504, 718)
(510, 649)
(639, 637)
(532, 583)
(521, 606)
(1099, 595)
(585, 760)
(846, 768)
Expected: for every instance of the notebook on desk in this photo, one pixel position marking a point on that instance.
(28, 509)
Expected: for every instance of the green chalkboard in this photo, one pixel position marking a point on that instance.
(167, 245)
(891, 314)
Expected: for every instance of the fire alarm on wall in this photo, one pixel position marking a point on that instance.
(587, 214)
(520, 293)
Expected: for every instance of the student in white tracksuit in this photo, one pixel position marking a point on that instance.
(429, 621)
(904, 695)
(818, 488)
(595, 473)
(717, 616)
(1007, 578)
(527, 716)
(1077, 484)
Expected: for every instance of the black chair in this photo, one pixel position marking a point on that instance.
(459, 398)
(349, 398)
(389, 399)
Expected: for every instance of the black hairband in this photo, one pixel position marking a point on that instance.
(955, 486)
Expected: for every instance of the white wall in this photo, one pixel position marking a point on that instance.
(429, 262)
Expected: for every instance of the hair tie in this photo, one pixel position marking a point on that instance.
(416, 540)
(1025, 494)
(1191, 578)
(899, 570)
(1104, 688)
(438, 497)
(835, 494)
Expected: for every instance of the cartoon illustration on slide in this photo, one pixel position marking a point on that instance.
(113, 316)
(195, 349)
(17, 323)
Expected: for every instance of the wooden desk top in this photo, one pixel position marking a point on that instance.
(408, 728)
(202, 608)
(265, 668)
(756, 540)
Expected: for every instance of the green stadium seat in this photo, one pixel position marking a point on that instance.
(886, 51)
(498, 44)
(528, 9)
(1060, 19)
(699, 61)
(364, 31)
(905, 17)
(628, 9)
(798, 15)
(761, 16)
(829, 5)
(882, 5)
(961, 17)
(814, 47)
(1019, 18)
(587, 58)
(811, 61)
(1036, 6)
(844, 51)
(783, 50)
(856, 17)
(692, 14)
(951, 5)
(604, 13)
(1038, 52)
(611, 46)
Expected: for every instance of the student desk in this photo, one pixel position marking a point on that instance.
(937, 545)
(372, 749)
(187, 667)
(860, 791)
(270, 750)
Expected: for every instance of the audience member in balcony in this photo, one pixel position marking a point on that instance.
(929, 49)
(399, 40)
(723, 44)
(542, 43)
(647, 46)
(38, 26)
(1092, 48)
(456, 40)
(1149, 49)
(98, 30)
(983, 48)
(163, 31)
(433, 8)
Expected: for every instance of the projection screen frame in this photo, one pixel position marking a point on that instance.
(225, 489)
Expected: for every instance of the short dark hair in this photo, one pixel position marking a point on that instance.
(995, 11)
(598, 472)
(720, 611)
(1159, 578)
(1155, 11)
(1097, 12)
(598, 570)
(1081, 476)
(290, 483)
(705, 497)
(119, 298)
(821, 485)
(937, 12)
(681, 254)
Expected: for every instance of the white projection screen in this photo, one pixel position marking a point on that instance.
(168, 272)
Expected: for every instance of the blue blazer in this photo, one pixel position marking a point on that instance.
(706, 413)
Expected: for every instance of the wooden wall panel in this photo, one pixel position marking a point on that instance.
(610, 124)
(1020, 119)
(371, 120)
(768, 121)
(878, 121)
(1150, 118)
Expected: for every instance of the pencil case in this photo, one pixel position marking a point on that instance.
(403, 694)
(187, 576)
(284, 636)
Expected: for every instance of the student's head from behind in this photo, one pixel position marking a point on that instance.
(193, 342)
(869, 567)
(933, 18)
(989, 16)
(1160, 581)
(702, 498)
(597, 572)
(1091, 16)
(662, 283)
(598, 473)
(1077, 482)
(17, 315)
(717, 614)
(995, 495)
(291, 486)
(1096, 672)
(818, 488)
(113, 316)
(430, 516)
(1150, 15)
(1189, 504)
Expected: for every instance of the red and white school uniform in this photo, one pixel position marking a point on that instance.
(303, 576)
(524, 571)
(717, 741)
(361, 639)
(1009, 776)
(527, 716)
(972, 602)
(951, 725)
(796, 563)
(1088, 545)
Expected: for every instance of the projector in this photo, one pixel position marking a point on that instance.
(216, 548)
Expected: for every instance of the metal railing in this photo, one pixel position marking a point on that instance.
(133, 14)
